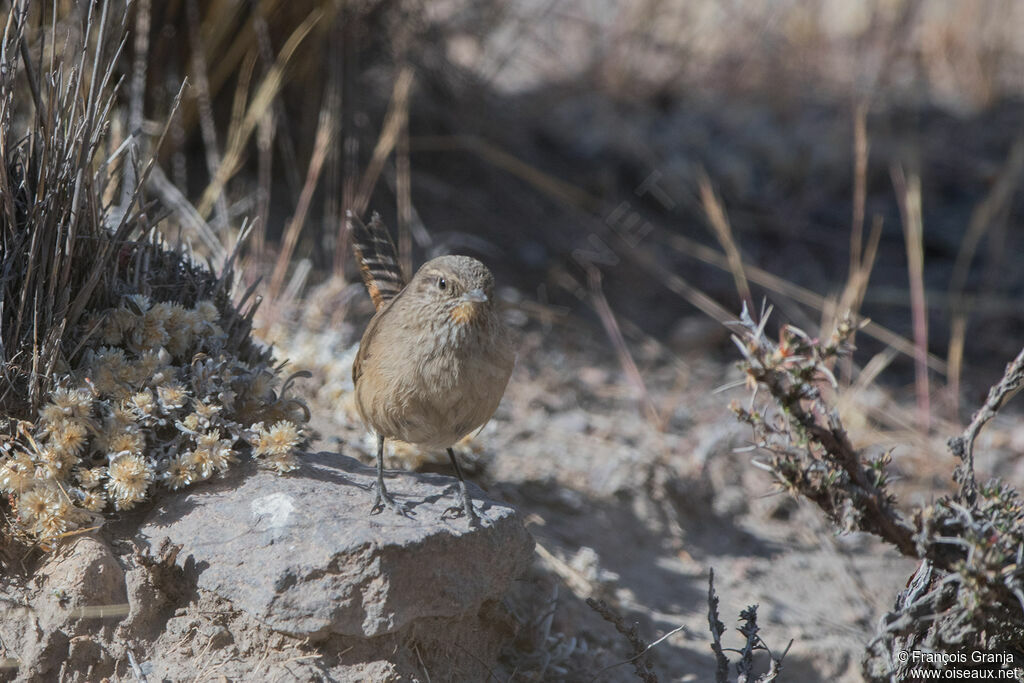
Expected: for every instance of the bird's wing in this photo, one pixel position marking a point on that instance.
(368, 336)
(364, 349)
(378, 259)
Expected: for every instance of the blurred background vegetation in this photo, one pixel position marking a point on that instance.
(696, 153)
(630, 170)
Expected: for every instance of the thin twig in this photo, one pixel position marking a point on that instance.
(860, 184)
(963, 446)
(419, 658)
(717, 628)
(136, 669)
(723, 233)
(398, 113)
(639, 648)
(207, 127)
(26, 59)
(321, 144)
(611, 326)
(908, 196)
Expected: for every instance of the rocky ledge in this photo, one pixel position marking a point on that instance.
(302, 554)
(259, 576)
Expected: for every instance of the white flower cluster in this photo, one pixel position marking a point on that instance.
(158, 401)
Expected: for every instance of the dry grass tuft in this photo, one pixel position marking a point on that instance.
(126, 366)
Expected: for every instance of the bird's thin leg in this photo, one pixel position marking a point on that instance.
(466, 502)
(383, 497)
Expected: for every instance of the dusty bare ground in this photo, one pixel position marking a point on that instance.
(637, 515)
(624, 508)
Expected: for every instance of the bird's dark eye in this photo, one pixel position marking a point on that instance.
(442, 283)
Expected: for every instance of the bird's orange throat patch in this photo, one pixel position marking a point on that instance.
(464, 313)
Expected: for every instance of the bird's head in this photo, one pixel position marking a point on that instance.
(460, 287)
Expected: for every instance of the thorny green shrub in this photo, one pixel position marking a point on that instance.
(968, 593)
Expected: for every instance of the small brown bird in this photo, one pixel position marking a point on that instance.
(434, 360)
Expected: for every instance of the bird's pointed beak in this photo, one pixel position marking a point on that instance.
(476, 296)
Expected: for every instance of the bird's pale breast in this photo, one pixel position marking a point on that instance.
(428, 388)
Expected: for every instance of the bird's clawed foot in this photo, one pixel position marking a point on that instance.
(384, 499)
(463, 509)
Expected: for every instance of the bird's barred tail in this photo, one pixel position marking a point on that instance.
(378, 258)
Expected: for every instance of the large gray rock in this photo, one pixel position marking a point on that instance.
(301, 554)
